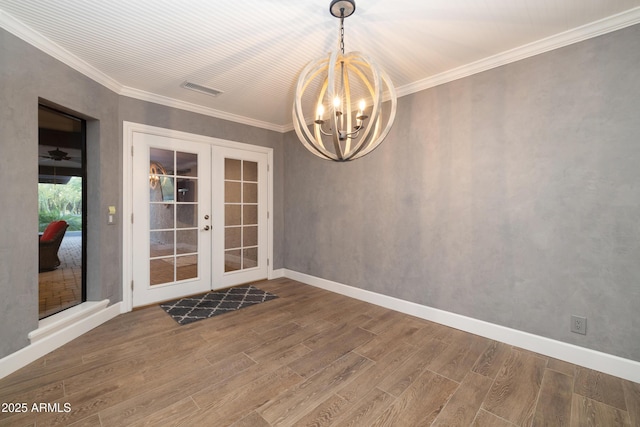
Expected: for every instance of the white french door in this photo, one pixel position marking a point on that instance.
(199, 217)
(171, 211)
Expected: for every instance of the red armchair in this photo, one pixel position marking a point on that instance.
(50, 243)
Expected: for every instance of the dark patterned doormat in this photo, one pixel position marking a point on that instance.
(192, 309)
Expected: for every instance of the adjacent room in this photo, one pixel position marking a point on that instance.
(61, 195)
(329, 212)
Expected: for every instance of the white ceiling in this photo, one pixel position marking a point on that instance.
(253, 50)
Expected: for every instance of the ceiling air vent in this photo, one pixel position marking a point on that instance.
(200, 88)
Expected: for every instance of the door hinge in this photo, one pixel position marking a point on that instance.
(267, 214)
(132, 285)
(267, 262)
(267, 167)
(131, 217)
(132, 151)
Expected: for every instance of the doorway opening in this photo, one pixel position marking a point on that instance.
(62, 207)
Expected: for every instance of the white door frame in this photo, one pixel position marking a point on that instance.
(129, 128)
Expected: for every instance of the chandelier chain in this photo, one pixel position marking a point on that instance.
(342, 31)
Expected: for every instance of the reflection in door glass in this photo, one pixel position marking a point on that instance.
(186, 241)
(173, 216)
(161, 243)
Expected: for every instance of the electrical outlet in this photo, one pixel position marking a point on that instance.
(579, 325)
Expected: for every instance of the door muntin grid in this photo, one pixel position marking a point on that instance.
(173, 216)
(240, 215)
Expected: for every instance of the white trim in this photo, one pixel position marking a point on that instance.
(592, 359)
(59, 332)
(52, 324)
(26, 33)
(128, 129)
(277, 274)
(195, 108)
(270, 215)
(575, 35)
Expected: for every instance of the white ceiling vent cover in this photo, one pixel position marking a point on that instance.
(199, 88)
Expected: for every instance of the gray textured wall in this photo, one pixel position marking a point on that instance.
(511, 196)
(26, 74)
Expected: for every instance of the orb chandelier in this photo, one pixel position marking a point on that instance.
(344, 94)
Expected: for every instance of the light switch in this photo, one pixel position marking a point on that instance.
(111, 217)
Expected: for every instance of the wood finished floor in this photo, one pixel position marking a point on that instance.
(310, 357)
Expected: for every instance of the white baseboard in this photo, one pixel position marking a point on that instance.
(592, 359)
(277, 274)
(59, 321)
(55, 332)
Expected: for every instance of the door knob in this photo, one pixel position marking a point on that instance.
(206, 217)
(206, 228)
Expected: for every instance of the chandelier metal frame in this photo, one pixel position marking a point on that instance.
(352, 133)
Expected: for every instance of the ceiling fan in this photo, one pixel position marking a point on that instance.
(57, 155)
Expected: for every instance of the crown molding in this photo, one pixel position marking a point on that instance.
(195, 108)
(594, 29)
(20, 30)
(575, 35)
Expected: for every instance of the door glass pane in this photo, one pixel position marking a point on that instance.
(167, 189)
(186, 215)
(161, 216)
(232, 192)
(232, 237)
(173, 215)
(187, 241)
(161, 243)
(187, 190)
(250, 214)
(241, 214)
(186, 164)
(250, 193)
(232, 169)
(250, 171)
(161, 271)
(250, 236)
(161, 162)
(186, 267)
(232, 260)
(232, 215)
(161, 188)
(249, 257)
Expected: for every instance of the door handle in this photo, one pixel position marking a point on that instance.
(206, 228)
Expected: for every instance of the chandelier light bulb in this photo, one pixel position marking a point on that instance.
(319, 113)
